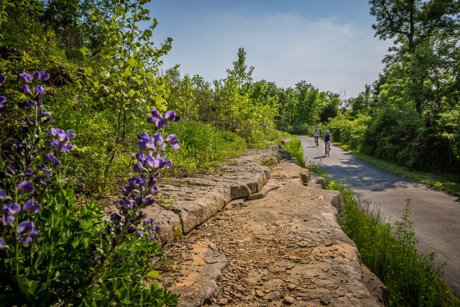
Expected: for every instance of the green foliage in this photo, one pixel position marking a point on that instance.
(294, 146)
(304, 107)
(127, 278)
(203, 146)
(349, 131)
(411, 279)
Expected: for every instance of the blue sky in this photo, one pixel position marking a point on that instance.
(328, 43)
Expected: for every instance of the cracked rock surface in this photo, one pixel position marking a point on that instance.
(282, 246)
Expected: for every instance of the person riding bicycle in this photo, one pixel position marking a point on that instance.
(327, 140)
(316, 136)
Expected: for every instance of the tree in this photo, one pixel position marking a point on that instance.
(240, 71)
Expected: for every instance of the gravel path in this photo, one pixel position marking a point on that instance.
(436, 215)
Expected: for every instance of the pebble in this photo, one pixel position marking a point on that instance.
(272, 296)
(291, 287)
(223, 301)
(289, 300)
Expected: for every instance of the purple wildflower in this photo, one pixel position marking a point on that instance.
(52, 158)
(171, 116)
(25, 89)
(126, 203)
(154, 115)
(26, 231)
(137, 167)
(26, 187)
(30, 206)
(2, 244)
(3, 195)
(139, 233)
(39, 92)
(2, 80)
(2, 101)
(37, 76)
(7, 219)
(146, 142)
(25, 77)
(160, 123)
(27, 104)
(44, 76)
(173, 141)
(11, 209)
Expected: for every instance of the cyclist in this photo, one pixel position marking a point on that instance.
(327, 140)
(316, 136)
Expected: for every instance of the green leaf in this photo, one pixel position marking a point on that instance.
(84, 51)
(153, 274)
(132, 62)
(75, 243)
(119, 10)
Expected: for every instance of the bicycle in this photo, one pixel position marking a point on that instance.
(328, 148)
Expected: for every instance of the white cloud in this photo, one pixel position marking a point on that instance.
(284, 48)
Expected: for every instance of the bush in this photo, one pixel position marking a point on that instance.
(294, 146)
(203, 146)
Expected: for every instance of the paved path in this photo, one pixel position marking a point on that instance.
(436, 215)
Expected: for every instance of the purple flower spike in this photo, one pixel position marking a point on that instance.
(2, 244)
(26, 187)
(25, 77)
(140, 234)
(25, 89)
(39, 91)
(30, 206)
(2, 80)
(3, 195)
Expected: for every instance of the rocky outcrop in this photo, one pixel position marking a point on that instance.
(267, 237)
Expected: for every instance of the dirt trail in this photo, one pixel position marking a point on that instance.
(435, 214)
(283, 249)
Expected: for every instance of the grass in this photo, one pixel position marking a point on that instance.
(294, 146)
(390, 252)
(442, 182)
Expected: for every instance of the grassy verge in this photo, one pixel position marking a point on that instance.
(390, 252)
(447, 183)
(294, 146)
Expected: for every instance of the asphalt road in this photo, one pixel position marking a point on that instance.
(435, 215)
